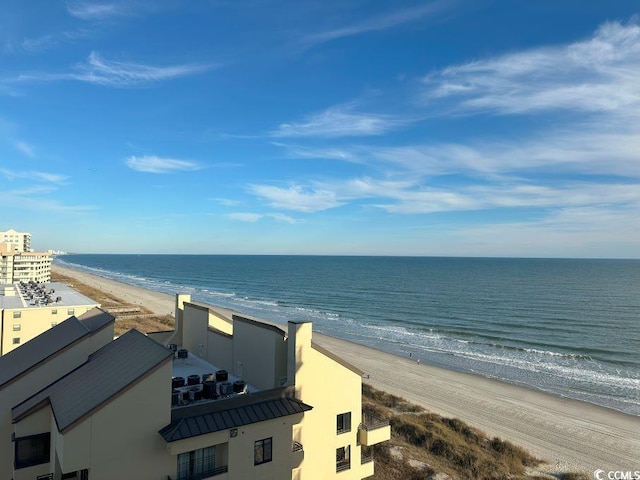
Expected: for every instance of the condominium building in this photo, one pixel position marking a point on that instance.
(27, 309)
(20, 241)
(18, 261)
(220, 397)
(23, 266)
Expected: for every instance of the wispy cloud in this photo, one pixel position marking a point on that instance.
(339, 121)
(154, 164)
(26, 149)
(254, 217)
(113, 73)
(34, 175)
(296, 198)
(601, 74)
(580, 152)
(329, 153)
(377, 23)
(96, 11)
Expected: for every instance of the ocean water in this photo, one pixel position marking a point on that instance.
(566, 326)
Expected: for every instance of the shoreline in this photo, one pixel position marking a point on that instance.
(570, 435)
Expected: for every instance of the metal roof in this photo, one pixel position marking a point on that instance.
(48, 343)
(106, 373)
(244, 410)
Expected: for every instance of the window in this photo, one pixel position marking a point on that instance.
(16, 340)
(262, 451)
(54, 311)
(16, 327)
(343, 458)
(196, 464)
(70, 311)
(17, 314)
(32, 450)
(343, 423)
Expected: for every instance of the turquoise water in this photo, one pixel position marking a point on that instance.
(569, 327)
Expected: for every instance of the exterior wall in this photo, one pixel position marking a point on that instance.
(237, 452)
(220, 350)
(121, 439)
(253, 342)
(39, 422)
(31, 266)
(33, 321)
(6, 265)
(195, 328)
(331, 389)
(18, 390)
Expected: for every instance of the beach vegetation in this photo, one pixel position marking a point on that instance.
(424, 444)
(127, 315)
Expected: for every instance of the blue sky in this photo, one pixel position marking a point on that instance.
(462, 128)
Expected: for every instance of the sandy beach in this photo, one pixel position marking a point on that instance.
(569, 435)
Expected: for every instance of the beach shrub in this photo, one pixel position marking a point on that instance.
(446, 445)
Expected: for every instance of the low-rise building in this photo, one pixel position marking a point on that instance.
(220, 397)
(27, 309)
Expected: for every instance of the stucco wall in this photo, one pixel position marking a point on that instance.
(331, 389)
(123, 434)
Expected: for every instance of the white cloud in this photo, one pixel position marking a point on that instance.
(254, 217)
(245, 216)
(154, 164)
(585, 152)
(381, 22)
(26, 149)
(113, 73)
(34, 175)
(96, 11)
(339, 121)
(601, 74)
(296, 198)
(330, 153)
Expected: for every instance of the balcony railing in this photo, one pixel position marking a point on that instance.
(366, 456)
(373, 422)
(297, 447)
(343, 465)
(209, 473)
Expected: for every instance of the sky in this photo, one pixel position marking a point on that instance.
(438, 128)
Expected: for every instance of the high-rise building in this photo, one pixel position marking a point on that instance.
(20, 241)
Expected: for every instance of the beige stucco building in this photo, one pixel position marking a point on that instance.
(27, 309)
(20, 241)
(222, 396)
(23, 266)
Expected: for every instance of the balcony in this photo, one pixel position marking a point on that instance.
(297, 454)
(373, 430)
(366, 462)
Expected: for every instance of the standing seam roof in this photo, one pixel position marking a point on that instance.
(107, 372)
(233, 417)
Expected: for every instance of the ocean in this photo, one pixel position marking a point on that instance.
(565, 326)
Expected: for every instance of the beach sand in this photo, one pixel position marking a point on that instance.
(567, 434)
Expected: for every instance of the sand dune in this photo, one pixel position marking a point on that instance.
(568, 434)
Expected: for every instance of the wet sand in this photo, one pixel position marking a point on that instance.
(569, 435)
